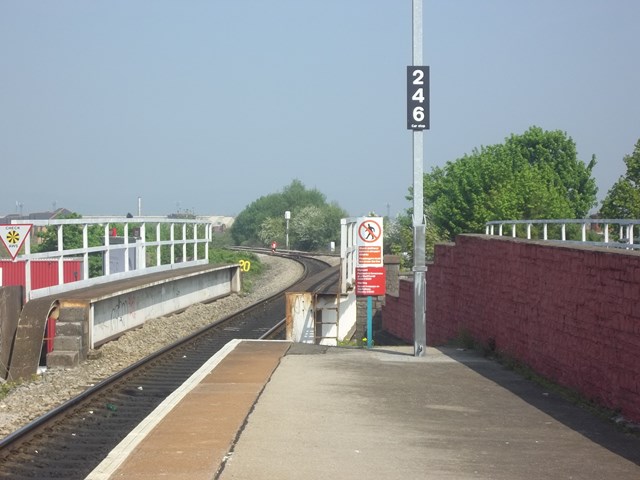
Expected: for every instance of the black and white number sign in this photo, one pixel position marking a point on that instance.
(417, 98)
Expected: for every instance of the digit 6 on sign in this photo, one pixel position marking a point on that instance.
(418, 114)
(245, 265)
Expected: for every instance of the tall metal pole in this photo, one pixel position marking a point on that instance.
(287, 216)
(419, 263)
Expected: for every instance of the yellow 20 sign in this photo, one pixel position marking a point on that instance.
(245, 265)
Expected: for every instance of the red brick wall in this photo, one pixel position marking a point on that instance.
(397, 312)
(572, 314)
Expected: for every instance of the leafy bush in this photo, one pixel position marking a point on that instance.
(224, 256)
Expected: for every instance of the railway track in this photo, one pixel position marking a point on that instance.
(71, 440)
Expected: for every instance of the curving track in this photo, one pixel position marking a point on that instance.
(71, 440)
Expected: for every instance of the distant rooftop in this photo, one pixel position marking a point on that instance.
(221, 220)
(36, 215)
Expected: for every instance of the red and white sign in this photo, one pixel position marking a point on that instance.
(369, 231)
(369, 242)
(13, 237)
(370, 273)
(371, 281)
(369, 255)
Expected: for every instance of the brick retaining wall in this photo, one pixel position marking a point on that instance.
(397, 312)
(570, 313)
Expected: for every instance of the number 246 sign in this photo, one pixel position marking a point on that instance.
(417, 98)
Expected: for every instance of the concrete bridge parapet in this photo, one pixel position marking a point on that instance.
(89, 317)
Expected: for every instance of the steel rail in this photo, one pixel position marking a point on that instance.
(25, 434)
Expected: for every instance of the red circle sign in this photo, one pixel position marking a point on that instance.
(369, 231)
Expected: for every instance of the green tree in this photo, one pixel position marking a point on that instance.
(623, 199)
(398, 237)
(531, 176)
(272, 229)
(314, 227)
(555, 153)
(72, 238)
(263, 220)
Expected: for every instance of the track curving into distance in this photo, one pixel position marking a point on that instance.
(72, 440)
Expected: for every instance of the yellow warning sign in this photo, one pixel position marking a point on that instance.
(13, 237)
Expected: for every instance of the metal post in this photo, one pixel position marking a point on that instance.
(27, 269)
(369, 321)
(287, 216)
(126, 247)
(159, 248)
(107, 252)
(85, 254)
(419, 263)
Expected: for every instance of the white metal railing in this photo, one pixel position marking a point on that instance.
(602, 227)
(138, 248)
(348, 252)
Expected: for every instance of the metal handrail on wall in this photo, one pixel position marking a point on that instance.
(140, 244)
(601, 226)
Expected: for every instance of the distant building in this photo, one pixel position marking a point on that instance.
(59, 212)
(220, 222)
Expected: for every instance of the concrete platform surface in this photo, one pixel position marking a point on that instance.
(276, 410)
(384, 414)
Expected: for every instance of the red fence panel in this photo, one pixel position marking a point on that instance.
(44, 273)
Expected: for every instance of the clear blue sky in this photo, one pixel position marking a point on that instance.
(208, 105)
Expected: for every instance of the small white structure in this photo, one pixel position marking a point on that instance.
(327, 318)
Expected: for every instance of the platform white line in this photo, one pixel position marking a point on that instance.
(121, 452)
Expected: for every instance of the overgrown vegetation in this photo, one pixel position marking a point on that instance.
(354, 342)
(224, 256)
(8, 386)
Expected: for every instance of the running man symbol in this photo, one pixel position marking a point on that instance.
(369, 231)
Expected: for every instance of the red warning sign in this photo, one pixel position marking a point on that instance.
(371, 281)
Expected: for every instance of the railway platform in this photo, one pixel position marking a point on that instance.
(276, 410)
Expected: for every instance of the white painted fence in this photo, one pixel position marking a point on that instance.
(603, 227)
(348, 252)
(175, 236)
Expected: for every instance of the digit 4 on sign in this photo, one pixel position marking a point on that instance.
(417, 97)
